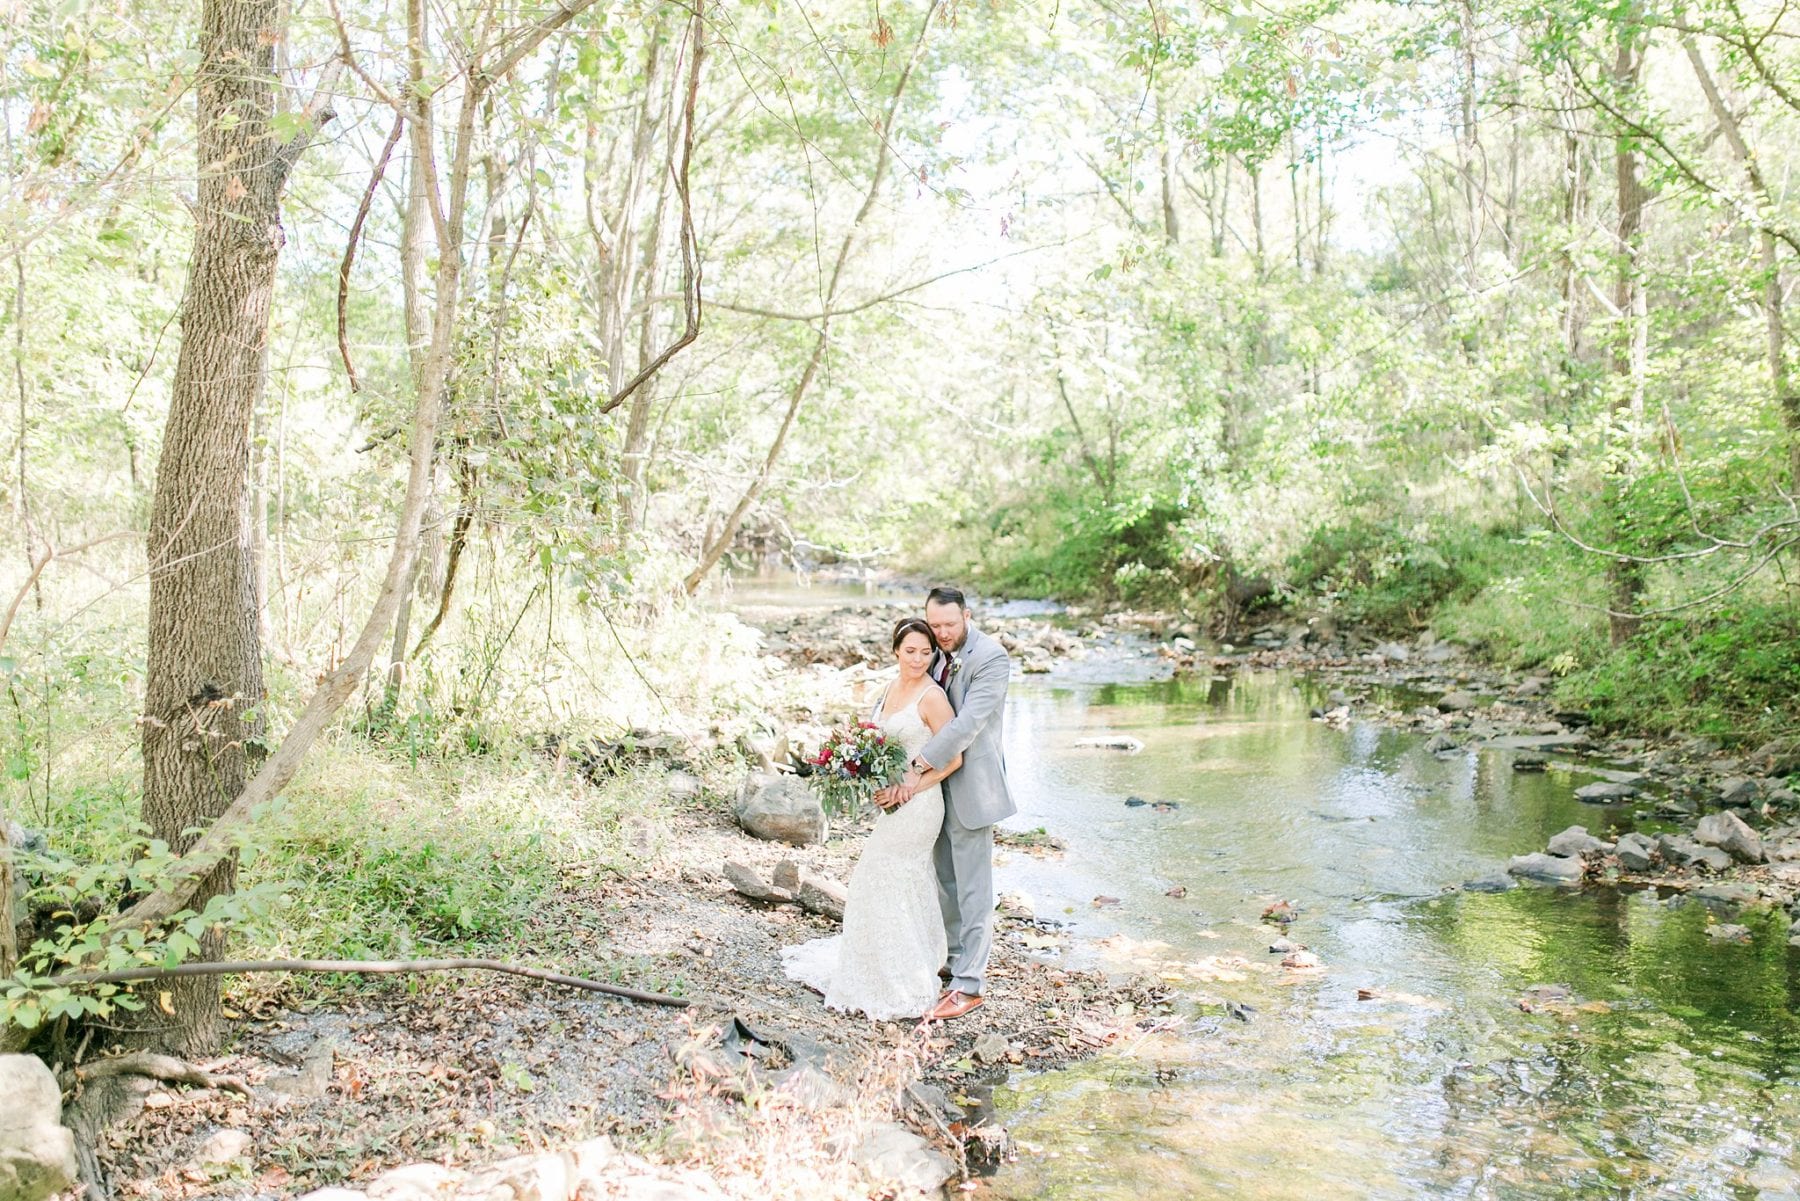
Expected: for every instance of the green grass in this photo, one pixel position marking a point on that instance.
(381, 858)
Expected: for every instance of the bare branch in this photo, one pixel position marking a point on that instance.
(893, 294)
(715, 549)
(1714, 544)
(483, 78)
(356, 228)
(37, 569)
(349, 60)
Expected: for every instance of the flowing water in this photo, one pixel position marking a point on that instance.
(1669, 1069)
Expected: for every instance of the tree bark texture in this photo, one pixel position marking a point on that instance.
(204, 674)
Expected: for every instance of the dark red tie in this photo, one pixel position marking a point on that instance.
(944, 674)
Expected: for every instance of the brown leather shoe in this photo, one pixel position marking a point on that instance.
(944, 974)
(953, 1004)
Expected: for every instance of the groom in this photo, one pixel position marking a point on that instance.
(974, 670)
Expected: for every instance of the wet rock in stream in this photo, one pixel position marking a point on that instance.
(1554, 869)
(1111, 742)
(1636, 852)
(1685, 852)
(1728, 832)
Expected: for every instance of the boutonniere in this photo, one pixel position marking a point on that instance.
(955, 666)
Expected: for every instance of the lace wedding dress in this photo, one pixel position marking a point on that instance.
(885, 962)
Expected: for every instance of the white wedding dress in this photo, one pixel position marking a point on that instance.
(885, 963)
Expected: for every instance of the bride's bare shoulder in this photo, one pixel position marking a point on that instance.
(934, 706)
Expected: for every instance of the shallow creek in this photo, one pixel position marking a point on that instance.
(1671, 1069)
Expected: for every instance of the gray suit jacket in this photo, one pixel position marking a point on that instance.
(977, 791)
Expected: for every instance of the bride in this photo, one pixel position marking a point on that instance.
(885, 963)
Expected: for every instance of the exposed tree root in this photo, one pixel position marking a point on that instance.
(159, 1067)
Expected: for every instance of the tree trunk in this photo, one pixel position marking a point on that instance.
(1630, 357)
(1574, 210)
(9, 930)
(1297, 202)
(21, 491)
(1219, 221)
(204, 678)
(643, 401)
(1468, 144)
(1256, 219)
(212, 851)
(415, 220)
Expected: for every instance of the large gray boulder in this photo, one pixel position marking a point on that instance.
(1605, 792)
(780, 809)
(1728, 832)
(37, 1152)
(1554, 869)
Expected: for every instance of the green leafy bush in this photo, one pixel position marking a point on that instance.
(1383, 575)
(78, 899)
(1128, 551)
(1733, 674)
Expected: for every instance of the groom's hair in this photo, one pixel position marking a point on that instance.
(943, 594)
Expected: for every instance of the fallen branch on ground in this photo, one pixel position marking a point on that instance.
(371, 967)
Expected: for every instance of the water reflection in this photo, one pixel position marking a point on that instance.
(1666, 1063)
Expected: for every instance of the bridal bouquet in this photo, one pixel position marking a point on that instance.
(854, 764)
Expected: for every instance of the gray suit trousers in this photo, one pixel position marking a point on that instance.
(965, 872)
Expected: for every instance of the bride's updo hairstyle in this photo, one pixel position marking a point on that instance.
(912, 625)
